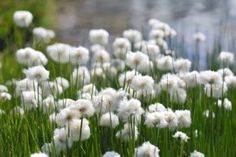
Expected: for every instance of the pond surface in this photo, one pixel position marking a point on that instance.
(213, 17)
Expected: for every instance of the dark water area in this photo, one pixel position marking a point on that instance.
(215, 18)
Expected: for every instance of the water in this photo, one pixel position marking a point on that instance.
(213, 17)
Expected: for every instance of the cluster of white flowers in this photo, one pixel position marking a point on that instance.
(42, 34)
(72, 120)
(160, 117)
(160, 31)
(214, 83)
(134, 68)
(31, 57)
(175, 87)
(138, 61)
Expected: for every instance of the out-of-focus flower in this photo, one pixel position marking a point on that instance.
(23, 18)
(199, 37)
(226, 58)
(42, 34)
(99, 36)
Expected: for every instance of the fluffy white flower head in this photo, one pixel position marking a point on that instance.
(23, 18)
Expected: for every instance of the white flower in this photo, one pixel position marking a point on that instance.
(226, 104)
(5, 96)
(216, 90)
(42, 34)
(182, 136)
(210, 77)
(3, 88)
(78, 126)
(30, 57)
(197, 154)
(104, 103)
(79, 55)
(96, 47)
(121, 46)
(225, 72)
(130, 109)
(157, 107)
(26, 85)
(30, 99)
(156, 34)
(59, 52)
(62, 103)
(138, 60)
(81, 76)
(165, 63)
(23, 18)
(66, 116)
(128, 132)
(147, 150)
(230, 81)
(109, 119)
(191, 79)
(163, 44)
(154, 23)
(48, 104)
(61, 139)
(178, 95)
(182, 65)
(90, 89)
(132, 35)
(171, 119)
(107, 100)
(155, 119)
(199, 37)
(38, 73)
(152, 50)
(184, 118)
(39, 155)
(98, 36)
(226, 58)
(127, 77)
(64, 83)
(51, 88)
(144, 84)
(171, 83)
(83, 107)
(111, 154)
(101, 56)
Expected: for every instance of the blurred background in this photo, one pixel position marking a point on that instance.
(72, 19)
